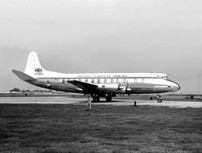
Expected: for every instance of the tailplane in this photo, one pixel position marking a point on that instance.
(33, 66)
(23, 76)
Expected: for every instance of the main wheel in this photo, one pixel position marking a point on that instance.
(96, 99)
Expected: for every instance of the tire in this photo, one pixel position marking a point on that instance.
(159, 100)
(96, 99)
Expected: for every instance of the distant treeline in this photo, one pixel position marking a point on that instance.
(17, 90)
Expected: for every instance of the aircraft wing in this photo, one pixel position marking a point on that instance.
(83, 85)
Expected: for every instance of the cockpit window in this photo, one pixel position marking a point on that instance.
(165, 77)
(162, 77)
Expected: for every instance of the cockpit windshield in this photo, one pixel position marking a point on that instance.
(165, 77)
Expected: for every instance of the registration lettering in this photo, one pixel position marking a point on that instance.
(38, 71)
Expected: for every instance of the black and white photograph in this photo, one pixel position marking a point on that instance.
(100, 76)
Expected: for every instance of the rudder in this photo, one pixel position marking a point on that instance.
(33, 65)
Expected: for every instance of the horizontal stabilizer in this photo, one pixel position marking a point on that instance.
(83, 85)
(23, 76)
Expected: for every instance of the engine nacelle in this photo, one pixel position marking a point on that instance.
(114, 88)
(124, 89)
(108, 87)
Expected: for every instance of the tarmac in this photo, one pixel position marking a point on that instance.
(172, 104)
(83, 101)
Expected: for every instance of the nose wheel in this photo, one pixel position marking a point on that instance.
(159, 100)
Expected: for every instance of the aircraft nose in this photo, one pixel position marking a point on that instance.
(176, 86)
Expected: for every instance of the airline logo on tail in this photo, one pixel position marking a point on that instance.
(38, 71)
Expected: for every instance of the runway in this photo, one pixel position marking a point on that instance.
(82, 101)
(172, 104)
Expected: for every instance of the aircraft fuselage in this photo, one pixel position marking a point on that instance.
(134, 83)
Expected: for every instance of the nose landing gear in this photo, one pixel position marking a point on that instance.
(159, 99)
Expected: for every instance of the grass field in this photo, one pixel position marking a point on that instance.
(105, 129)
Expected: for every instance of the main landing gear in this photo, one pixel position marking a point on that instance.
(96, 97)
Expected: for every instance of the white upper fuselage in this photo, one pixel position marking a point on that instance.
(137, 82)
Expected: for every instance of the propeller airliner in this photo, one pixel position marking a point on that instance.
(97, 85)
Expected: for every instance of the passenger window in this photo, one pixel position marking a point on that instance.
(117, 80)
(112, 81)
(92, 81)
(105, 80)
(48, 81)
(98, 80)
(86, 80)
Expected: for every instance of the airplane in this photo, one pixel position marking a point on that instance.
(96, 85)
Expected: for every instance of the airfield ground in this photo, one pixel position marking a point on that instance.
(108, 128)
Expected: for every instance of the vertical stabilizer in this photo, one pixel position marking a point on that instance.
(33, 65)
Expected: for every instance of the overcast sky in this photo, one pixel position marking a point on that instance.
(78, 36)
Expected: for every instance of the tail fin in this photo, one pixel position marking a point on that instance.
(33, 66)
